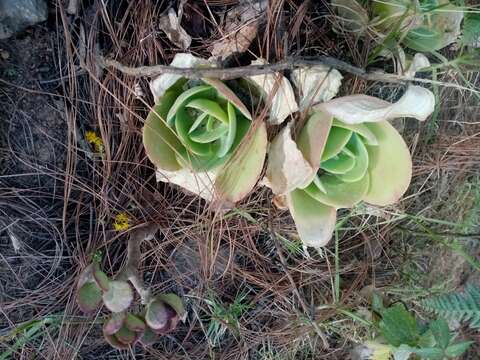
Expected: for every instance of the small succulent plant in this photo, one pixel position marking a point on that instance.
(122, 329)
(197, 128)
(431, 25)
(421, 25)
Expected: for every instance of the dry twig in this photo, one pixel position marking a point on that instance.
(251, 70)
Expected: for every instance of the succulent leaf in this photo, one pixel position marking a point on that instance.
(175, 302)
(148, 337)
(157, 315)
(315, 221)
(89, 297)
(119, 296)
(134, 323)
(360, 153)
(160, 141)
(360, 129)
(100, 277)
(114, 323)
(313, 137)
(417, 102)
(390, 165)
(337, 139)
(339, 194)
(125, 336)
(114, 342)
(339, 164)
(241, 173)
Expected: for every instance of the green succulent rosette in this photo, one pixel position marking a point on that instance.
(421, 25)
(346, 152)
(359, 162)
(429, 25)
(202, 132)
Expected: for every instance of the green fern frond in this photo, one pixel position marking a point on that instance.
(457, 306)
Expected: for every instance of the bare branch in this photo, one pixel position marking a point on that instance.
(251, 70)
(233, 72)
(134, 256)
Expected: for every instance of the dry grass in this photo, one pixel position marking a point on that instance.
(212, 261)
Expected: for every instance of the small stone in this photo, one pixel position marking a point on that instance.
(5, 55)
(16, 15)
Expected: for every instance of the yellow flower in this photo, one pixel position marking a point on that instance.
(122, 221)
(95, 140)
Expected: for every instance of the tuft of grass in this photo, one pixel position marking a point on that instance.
(223, 318)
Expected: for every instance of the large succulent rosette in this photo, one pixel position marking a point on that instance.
(346, 152)
(200, 136)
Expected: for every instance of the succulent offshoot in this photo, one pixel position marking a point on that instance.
(122, 328)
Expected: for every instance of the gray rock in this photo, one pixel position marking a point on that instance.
(16, 15)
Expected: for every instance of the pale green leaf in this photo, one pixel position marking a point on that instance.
(201, 91)
(390, 166)
(339, 194)
(183, 123)
(238, 177)
(226, 142)
(360, 129)
(315, 221)
(119, 296)
(339, 164)
(203, 136)
(313, 137)
(210, 107)
(225, 92)
(357, 147)
(337, 139)
(160, 141)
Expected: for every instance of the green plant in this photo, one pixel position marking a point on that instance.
(346, 152)
(224, 317)
(403, 336)
(123, 328)
(428, 25)
(425, 25)
(202, 127)
(457, 306)
(28, 332)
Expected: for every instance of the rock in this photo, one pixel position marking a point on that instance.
(16, 15)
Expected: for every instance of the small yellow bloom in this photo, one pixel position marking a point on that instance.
(95, 140)
(122, 221)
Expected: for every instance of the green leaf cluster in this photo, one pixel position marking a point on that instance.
(458, 306)
(400, 329)
(201, 126)
(123, 328)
